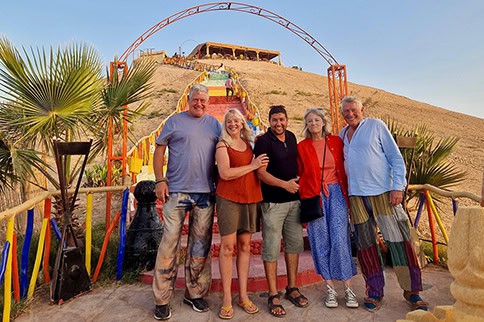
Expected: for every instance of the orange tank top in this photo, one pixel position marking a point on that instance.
(245, 189)
(329, 165)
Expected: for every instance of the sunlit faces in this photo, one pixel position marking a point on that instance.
(197, 103)
(233, 125)
(278, 122)
(314, 123)
(353, 114)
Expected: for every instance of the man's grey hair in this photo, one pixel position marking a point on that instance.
(319, 111)
(348, 100)
(198, 88)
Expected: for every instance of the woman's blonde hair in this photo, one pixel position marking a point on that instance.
(246, 134)
(319, 111)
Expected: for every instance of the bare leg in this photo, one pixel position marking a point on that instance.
(292, 262)
(243, 262)
(271, 276)
(347, 283)
(330, 283)
(225, 265)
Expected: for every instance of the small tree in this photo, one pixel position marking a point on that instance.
(431, 163)
(60, 93)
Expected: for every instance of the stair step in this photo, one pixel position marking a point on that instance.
(257, 280)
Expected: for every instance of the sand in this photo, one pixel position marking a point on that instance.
(269, 84)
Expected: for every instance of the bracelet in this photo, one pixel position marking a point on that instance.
(161, 180)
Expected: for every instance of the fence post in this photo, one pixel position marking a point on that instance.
(432, 228)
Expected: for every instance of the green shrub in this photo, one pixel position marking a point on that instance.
(429, 253)
(107, 273)
(303, 93)
(276, 92)
(153, 114)
(97, 174)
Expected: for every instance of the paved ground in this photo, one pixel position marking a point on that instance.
(134, 303)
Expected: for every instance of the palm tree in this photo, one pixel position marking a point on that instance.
(60, 93)
(16, 165)
(430, 164)
(47, 94)
(128, 89)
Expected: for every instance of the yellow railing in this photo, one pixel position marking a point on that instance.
(427, 200)
(8, 216)
(141, 154)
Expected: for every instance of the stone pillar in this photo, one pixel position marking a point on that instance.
(466, 264)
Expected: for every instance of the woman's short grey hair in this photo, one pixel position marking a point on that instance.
(198, 88)
(319, 111)
(348, 100)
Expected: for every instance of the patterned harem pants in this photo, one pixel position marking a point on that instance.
(368, 213)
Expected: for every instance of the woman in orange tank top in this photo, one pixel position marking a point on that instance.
(237, 195)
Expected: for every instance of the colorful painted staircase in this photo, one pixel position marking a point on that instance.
(218, 105)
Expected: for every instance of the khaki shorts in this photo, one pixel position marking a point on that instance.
(281, 220)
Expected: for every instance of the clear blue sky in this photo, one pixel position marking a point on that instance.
(430, 51)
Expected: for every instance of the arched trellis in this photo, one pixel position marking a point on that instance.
(337, 80)
(234, 6)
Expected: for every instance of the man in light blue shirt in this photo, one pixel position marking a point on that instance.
(376, 180)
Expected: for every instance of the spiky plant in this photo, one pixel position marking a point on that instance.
(431, 164)
(16, 165)
(59, 93)
(120, 90)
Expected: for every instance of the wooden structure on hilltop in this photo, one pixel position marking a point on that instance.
(209, 49)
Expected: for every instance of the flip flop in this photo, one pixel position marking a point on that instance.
(226, 312)
(248, 307)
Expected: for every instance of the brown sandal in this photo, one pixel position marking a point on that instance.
(416, 301)
(272, 307)
(371, 304)
(297, 301)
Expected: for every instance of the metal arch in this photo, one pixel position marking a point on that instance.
(235, 6)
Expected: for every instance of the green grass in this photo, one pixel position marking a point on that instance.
(303, 93)
(16, 308)
(166, 90)
(107, 273)
(429, 253)
(153, 114)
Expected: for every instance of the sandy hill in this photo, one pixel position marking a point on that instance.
(270, 84)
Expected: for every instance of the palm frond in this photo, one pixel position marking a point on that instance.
(431, 163)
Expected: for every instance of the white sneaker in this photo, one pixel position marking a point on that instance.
(331, 298)
(350, 298)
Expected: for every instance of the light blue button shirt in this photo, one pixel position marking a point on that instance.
(373, 162)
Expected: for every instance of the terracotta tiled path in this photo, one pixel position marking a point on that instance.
(135, 303)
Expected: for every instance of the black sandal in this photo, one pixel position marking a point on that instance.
(272, 307)
(296, 300)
